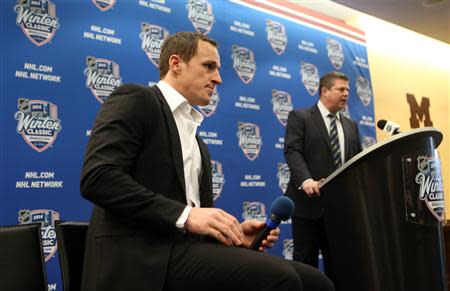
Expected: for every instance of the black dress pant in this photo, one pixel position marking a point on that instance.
(309, 237)
(202, 265)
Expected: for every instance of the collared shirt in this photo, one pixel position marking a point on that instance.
(188, 119)
(325, 112)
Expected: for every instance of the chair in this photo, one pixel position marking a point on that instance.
(21, 258)
(71, 240)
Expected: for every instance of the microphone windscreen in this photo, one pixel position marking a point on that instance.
(381, 124)
(282, 207)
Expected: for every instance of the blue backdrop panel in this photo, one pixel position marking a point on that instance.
(61, 60)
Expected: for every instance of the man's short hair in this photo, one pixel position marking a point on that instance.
(183, 44)
(329, 78)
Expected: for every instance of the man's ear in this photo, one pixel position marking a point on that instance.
(175, 63)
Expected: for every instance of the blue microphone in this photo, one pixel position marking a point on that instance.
(280, 210)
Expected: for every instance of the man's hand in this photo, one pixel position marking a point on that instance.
(216, 223)
(251, 228)
(311, 187)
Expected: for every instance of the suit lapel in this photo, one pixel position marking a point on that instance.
(174, 137)
(205, 181)
(320, 124)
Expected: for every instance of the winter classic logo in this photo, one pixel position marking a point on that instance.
(37, 122)
(218, 179)
(363, 90)
(47, 219)
(335, 53)
(429, 180)
(37, 18)
(282, 105)
(288, 249)
(310, 77)
(283, 176)
(153, 37)
(102, 77)
(276, 35)
(209, 109)
(254, 210)
(250, 140)
(201, 15)
(244, 63)
(104, 5)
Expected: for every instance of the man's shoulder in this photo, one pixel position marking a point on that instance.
(305, 111)
(136, 88)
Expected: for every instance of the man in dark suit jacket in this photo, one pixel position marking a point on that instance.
(309, 155)
(153, 225)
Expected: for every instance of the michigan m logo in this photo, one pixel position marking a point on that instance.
(419, 113)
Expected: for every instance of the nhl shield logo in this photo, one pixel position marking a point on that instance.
(363, 90)
(102, 77)
(335, 53)
(104, 5)
(310, 77)
(47, 220)
(244, 63)
(152, 37)
(288, 249)
(368, 141)
(283, 176)
(276, 35)
(429, 180)
(201, 15)
(282, 105)
(38, 123)
(209, 109)
(37, 18)
(218, 179)
(250, 140)
(254, 210)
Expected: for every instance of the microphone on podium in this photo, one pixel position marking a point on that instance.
(280, 210)
(388, 126)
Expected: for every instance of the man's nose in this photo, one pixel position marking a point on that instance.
(217, 79)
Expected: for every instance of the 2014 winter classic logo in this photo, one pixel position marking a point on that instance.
(37, 19)
(152, 37)
(102, 77)
(47, 218)
(37, 122)
(201, 15)
(429, 180)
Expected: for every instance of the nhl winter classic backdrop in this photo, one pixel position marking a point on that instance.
(62, 58)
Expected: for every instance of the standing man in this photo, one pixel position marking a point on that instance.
(318, 140)
(153, 225)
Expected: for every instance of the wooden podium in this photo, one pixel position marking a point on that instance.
(383, 212)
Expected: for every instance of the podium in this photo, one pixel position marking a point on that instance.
(383, 213)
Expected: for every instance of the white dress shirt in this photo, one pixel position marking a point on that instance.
(325, 112)
(188, 119)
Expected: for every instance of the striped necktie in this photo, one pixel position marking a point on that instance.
(334, 141)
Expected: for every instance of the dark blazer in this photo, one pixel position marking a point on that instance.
(307, 151)
(133, 173)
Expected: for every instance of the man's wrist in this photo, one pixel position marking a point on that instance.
(307, 180)
(181, 221)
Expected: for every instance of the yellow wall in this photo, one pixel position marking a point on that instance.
(401, 62)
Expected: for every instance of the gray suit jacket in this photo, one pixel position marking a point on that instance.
(307, 151)
(133, 173)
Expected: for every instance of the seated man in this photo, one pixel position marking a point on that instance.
(153, 226)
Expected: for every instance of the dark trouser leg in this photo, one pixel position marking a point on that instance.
(210, 266)
(306, 235)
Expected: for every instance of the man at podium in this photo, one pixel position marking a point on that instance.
(318, 140)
